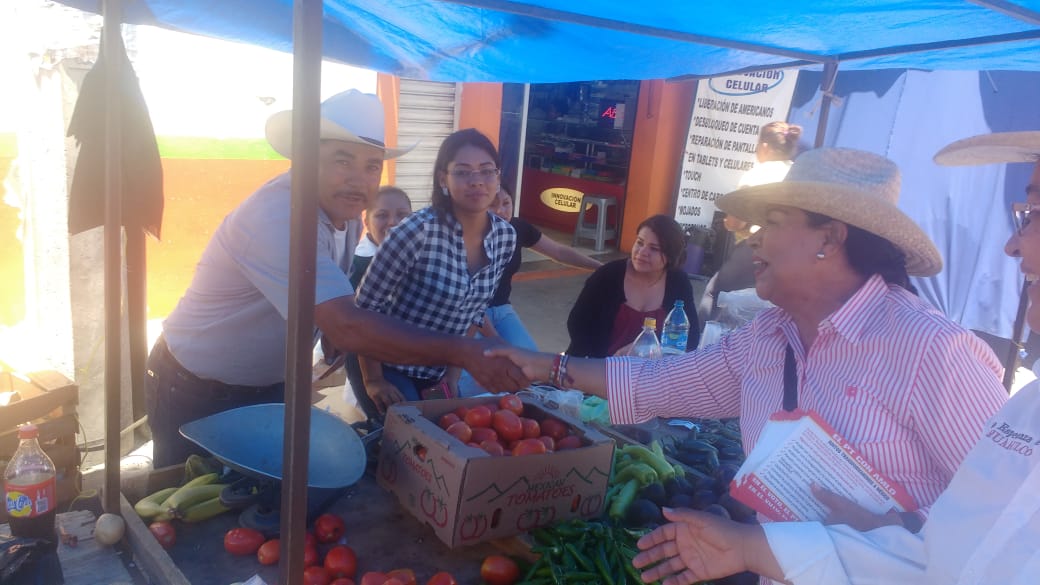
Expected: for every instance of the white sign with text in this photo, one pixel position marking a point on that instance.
(728, 114)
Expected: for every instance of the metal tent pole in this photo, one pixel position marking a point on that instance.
(307, 45)
(830, 74)
(113, 253)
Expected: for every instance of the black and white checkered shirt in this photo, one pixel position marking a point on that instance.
(419, 275)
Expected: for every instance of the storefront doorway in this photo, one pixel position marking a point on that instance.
(577, 136)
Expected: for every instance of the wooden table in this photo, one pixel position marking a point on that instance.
(382, 533)
(88, 562)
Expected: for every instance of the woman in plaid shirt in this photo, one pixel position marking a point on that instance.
(438, 268)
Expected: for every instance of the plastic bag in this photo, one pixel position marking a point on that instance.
(29, 561)
(566, 401)
(738, 307)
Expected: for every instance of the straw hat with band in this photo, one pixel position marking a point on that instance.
(986, 149)
(350, 116)
(854, 187)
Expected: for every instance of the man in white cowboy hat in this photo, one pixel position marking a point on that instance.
(984, 527)
(847, 339)
(223, 346)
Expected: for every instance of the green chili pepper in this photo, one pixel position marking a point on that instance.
(660, 464)
(623, 499)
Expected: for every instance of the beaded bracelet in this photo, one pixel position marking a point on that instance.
(554, 374)
(563, 380)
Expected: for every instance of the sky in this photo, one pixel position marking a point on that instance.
(194, 86)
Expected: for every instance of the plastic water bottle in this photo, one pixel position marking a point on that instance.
(29, 488)
(676, 330)
(646, 344)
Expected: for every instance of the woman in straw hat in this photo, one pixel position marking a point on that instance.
(905, 386)
(982, 529)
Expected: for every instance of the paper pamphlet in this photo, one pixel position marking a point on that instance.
(798, 449)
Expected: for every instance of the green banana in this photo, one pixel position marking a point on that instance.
(204, 479)
(185, 498)
(204, 510)
(151, 506)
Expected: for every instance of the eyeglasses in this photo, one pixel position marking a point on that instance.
(467, 175)
(1021, 213)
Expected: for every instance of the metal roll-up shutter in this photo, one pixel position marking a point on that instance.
(427, 114)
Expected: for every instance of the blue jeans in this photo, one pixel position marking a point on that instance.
(175, 396)
(512, 330)
(409, 387)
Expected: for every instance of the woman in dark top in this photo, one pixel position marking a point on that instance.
(617, 297)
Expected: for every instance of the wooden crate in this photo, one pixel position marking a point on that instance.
(49, 400)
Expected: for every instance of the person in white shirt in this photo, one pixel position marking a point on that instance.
(984, 528)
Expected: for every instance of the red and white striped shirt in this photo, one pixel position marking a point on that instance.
(904, 384)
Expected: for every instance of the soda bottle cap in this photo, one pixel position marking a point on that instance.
(28, 431)
(650, 322)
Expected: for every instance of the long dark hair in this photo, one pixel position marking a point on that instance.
(670, 235)
(439, 199)
(870, 254)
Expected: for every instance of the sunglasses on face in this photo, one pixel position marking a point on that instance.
(1021, 213)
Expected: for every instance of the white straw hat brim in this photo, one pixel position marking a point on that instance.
(846, 204)
(995, 148)
(279, 135)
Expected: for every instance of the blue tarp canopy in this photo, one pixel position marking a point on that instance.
(537, 41)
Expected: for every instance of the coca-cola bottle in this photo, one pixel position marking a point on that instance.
(29, 488)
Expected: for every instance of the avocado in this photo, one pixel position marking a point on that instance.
(643, 513)
(681, 501)
(654, 492)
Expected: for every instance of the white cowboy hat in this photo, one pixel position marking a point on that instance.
(854, 187)
(985, 149)
(350, 116)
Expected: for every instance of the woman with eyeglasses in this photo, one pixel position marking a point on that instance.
(439, 267)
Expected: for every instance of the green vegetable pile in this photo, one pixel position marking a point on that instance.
(578, 552)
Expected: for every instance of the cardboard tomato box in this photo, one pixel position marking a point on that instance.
(469, 496)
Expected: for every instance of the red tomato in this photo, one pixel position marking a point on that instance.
(310, 556)
(508, 425)
(499, 570)
(511, 402)
(461, 412)
(342, 581)
(568, 442)
(341, 561)
(446, 420)
(481, 434)
(309, 540)
(529, 447)
(405, 576)
(555, 428)
(493, 447)
(243, 541)
(478, 416)
(550, 444)
(461, 431)
(393, 581)
(269, 552)
(493, 407)
(315, 576)
(442, 578)
(329, 528)
(163, 532)
(532, 430)
(373, 578)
